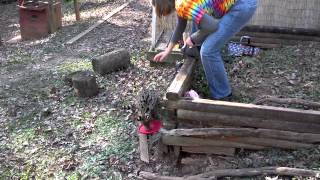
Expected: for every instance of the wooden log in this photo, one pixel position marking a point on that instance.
(85, 84)
(283, 30)
(244, 132)
(282, 171)
(251, 110)
(152, 176)
(68, 78)
(111, 61)
(115, 11)
(209, 150)
(199, 142)
(279, 36)
(245, 121)
(182, 80)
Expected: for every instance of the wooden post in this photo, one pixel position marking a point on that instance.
(77, 9)
(182, 81)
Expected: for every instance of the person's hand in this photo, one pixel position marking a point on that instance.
(161, 56)
(189, 42)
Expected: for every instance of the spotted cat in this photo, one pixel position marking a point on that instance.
(147, 103)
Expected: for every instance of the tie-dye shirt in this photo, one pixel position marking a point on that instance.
(195, 9)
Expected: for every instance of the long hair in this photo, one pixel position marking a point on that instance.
(163, 7)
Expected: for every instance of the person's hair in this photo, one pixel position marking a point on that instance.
(163, 7)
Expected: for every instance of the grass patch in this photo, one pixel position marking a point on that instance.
(115, 144)
(75, 66)
(22, 138)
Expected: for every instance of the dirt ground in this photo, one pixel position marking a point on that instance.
(46, 132)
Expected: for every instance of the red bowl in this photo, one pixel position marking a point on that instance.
(155, 126)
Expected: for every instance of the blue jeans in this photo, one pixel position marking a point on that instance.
(210, 52)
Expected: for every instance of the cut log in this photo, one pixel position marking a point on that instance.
(244, 132)
(251, 110)
(85, 84)
(252, 122)
(111, 61)
(282, 171)
(209, 150)
(198, 142)
(182, 81)
(68, 78)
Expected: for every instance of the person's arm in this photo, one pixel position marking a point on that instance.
(176, 36)
(207, 25)
(179, 29)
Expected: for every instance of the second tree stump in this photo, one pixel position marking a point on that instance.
(84, 84)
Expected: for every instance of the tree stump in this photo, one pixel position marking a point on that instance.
(85, 84)
(111, 61)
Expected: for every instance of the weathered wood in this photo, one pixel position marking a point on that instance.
(251, 110)
(282, 171)
(283, 30)
(279, 36)
(68, 78)
(182, 80)
(289, 101)
(144, 148)
(209, 150)
(245, 121)
(76, 9)
(198, 142)
(111, 61)
(267, 142)
(85, 84)
(244, 132)
(97, 23)
(172, 58)
(152, 176)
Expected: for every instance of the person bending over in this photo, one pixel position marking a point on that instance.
(214, 23)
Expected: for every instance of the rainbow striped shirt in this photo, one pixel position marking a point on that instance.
(195, 9)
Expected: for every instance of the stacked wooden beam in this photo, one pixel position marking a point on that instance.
(274, 40)
(221, 127)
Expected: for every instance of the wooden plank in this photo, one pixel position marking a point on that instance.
(245, 121)
(144, 148)
(171, 59)
(282, 30)
(251, 110)
(209, 150)
(182, 80)
(244, 132)
(279, 36)
(267, 142)
(199, 142)
(97, 23)
(247, 172)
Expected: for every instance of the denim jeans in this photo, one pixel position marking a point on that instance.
(210, 51)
